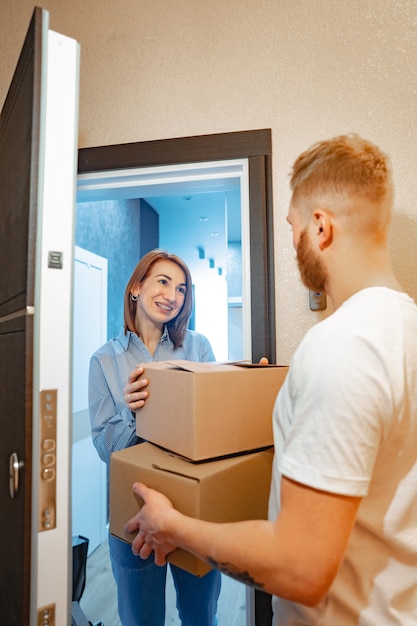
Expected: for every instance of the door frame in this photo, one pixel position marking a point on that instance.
(256, 147)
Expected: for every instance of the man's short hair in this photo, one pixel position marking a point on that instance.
(348, 172)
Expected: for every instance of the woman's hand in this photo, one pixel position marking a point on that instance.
(135, 393)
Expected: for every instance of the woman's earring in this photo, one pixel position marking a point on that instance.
(133, 297)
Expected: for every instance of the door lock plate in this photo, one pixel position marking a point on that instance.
(47, 460)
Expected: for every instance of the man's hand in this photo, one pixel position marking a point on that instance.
(135, 393)
(150, 523)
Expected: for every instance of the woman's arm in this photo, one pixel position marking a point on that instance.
(113, 426)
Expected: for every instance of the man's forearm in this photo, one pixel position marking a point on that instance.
(226, 547)
(296, 557)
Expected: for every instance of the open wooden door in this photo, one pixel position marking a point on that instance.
(37, 180)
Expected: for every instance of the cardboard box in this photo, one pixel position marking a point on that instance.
(207, 410)
(226, 490)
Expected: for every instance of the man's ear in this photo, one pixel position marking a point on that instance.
(324, 228)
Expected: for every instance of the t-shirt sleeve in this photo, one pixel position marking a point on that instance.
(339, 397)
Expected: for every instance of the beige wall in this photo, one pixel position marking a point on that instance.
(307, 69)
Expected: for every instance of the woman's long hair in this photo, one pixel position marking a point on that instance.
(176, 327)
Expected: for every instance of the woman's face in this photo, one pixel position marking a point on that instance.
(161, 294)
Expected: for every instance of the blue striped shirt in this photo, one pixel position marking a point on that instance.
(113, 427)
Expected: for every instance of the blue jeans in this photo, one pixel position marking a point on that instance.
(141, 590)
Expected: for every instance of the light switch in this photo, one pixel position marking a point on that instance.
(317, 300)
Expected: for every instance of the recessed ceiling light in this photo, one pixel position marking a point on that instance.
(214, 234)
(203, 218)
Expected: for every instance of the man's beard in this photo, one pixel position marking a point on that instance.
(312, 271)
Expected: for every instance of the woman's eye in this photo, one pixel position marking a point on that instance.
(182, 290)
(163, 281)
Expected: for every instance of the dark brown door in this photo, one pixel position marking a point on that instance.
(37, 148)
(19, 181)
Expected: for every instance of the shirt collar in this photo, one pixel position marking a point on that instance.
(125, 338)
(165, 338)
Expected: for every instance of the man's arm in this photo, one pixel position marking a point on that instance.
(295, 557)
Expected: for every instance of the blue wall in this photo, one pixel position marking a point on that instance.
(112, 229)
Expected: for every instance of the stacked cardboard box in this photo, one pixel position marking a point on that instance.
(209, 435)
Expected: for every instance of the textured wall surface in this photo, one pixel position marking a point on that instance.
(307, 69)
(112, 230)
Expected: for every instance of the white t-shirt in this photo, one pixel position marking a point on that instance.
(345, 421)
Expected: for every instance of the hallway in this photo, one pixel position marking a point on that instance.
(99, 606)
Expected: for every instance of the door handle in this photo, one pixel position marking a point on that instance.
(14, 469)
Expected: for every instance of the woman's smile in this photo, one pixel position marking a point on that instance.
(165, 307)
(161, 294)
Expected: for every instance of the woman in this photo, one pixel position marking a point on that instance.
(157, 309)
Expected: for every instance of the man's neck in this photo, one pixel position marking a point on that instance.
(363, 271)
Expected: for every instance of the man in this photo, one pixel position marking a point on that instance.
(340, 546)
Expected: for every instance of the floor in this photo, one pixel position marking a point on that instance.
(100, 606)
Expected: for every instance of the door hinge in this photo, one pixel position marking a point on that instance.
(46, 615)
